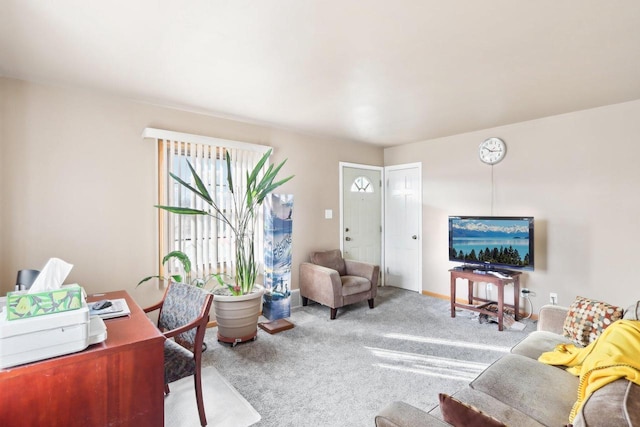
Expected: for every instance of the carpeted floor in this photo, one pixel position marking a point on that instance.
(342, 372)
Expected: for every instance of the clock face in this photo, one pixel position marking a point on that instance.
(492, 150)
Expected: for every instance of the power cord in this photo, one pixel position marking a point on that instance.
(525, 295)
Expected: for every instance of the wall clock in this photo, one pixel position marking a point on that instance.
(492, 150)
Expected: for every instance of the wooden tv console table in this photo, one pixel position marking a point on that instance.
(119, 382)
(471, 277)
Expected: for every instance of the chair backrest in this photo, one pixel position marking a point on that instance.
(330, 259)
(25, 279)
(182, 304)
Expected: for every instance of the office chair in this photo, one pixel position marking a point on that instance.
(25, 279)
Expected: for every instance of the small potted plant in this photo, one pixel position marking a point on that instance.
(242, 292)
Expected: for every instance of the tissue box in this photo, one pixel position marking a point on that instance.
(21, 305)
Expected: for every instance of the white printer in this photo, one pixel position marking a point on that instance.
(42, 337)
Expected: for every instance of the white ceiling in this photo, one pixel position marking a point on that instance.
(378, 71)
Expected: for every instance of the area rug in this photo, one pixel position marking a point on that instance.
(224, 406)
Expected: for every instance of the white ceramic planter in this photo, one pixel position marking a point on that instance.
(237, 317)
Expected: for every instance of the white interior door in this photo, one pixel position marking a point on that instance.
(403, 226)
(361, 219)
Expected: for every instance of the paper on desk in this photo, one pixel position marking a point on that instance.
(51, 276)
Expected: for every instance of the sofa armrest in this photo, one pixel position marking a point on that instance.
(363, 269)
(551, 318)
(400, 414)
(320, 284)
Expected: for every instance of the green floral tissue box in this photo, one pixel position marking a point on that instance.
(21, 305)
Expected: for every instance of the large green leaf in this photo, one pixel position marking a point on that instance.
(180, 256)
(256, 170)
(203, 189)
(182, 211)
(229, 174)
(188, 186)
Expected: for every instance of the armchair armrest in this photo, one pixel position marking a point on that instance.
(154, 307)
(363, 269)
(184, 328)
(400, 414)
(321, 284)
(551, 318)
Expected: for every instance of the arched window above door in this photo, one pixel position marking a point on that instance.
(361, 185)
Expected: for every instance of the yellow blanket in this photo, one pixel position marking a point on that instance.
(614, 355)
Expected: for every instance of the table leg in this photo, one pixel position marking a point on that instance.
(516, 298)
(470, 299)
(500, 286)
(453, 295)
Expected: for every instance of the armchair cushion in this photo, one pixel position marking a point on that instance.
(352, 285)
(330, 259)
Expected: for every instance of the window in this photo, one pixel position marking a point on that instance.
(207, 241)
(361, 185)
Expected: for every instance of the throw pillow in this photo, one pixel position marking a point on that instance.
(587, 319)
(460, 414)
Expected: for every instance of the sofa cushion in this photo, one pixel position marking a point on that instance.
(330, 259)
(587, 319)
(538, 342)
(459, 414)
(543, 392)
(616, 404)
(401, 414)
(632, 312)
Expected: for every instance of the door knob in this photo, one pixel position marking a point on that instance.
(414, 237)
(348, 239)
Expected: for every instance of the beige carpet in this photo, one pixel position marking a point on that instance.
(225, 407)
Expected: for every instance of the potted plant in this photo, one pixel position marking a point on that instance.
(239, 322)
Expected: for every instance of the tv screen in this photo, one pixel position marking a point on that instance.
(492, 241)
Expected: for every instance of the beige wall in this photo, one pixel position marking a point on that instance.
(77, 182)
(577, 174)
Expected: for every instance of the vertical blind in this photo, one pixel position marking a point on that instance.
(208, 242)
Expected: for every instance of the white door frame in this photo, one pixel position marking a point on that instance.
(417, 165)
(381, 169)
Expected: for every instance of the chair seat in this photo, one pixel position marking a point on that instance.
(178, 362)
(352, 285)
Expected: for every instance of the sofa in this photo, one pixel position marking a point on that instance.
(518, 390)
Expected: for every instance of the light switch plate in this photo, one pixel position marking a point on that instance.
(328, 214)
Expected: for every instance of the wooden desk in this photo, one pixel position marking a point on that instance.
(119, 382)
(514, 277)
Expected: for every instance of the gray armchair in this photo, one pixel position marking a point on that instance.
(335, 282)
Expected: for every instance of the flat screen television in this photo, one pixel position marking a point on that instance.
(492, 242)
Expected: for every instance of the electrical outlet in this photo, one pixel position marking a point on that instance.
(524, 292)
(553, 298)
